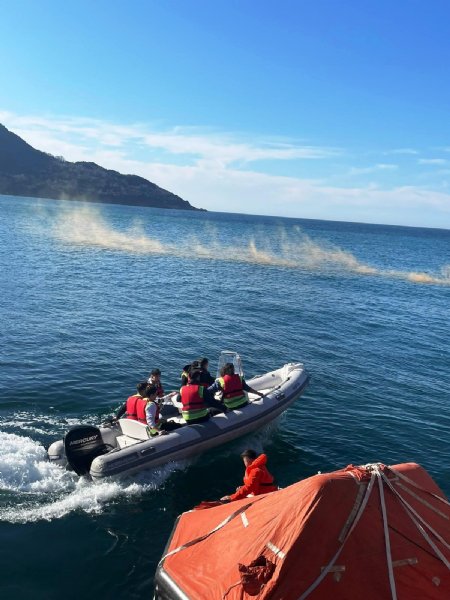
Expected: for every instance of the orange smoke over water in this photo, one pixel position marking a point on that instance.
(86, 227)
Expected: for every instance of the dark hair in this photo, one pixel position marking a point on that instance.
(249, 453)
(203, 362)
(151, 389)
(141, 387)
(194, 376)
(187, 368)
(155, 372)
(227, 369)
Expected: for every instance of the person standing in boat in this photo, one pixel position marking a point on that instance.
(257, 479)
(233, 388)
(128, 408)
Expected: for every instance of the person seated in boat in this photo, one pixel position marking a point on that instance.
(233, 388)
(198, 365)
(257, 479)
(152, 408)
(196, 401)
(128, 408)
(206, 378)
(155, 379)
(157, 425)
(185, 374)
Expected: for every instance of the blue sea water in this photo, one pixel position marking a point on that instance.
(93, 297)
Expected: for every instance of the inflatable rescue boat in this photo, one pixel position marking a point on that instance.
(125, 447)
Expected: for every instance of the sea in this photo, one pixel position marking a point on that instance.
(95, 296)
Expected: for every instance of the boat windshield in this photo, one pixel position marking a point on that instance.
(226, 356)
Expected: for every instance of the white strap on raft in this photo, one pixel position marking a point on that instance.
(414, 484)
(236, 513)
(360, 504)
(421, 500)
(328, 567)
(387, 541)
(419, 522)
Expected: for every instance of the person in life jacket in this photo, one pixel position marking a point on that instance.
(233, 388)
(156, 424)
(195, 400)
(257, 479)
(201, 365)
(128, 408)
(155, 379)
(152, 411)
(185, 374)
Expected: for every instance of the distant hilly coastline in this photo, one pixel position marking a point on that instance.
(25, 171)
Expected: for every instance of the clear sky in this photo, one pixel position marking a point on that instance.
(329, 109)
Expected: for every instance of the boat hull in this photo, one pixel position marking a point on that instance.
(283, 387)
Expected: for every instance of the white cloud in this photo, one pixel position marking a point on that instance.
(432, 161)
(372, 169)
(210, 147)
(211, 170)
(402, 151)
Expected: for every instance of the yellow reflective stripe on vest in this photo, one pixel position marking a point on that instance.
(235, 402)
(194, 414)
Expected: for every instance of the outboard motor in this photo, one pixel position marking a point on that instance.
(82, 444)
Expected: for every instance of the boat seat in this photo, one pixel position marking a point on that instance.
(134, 429)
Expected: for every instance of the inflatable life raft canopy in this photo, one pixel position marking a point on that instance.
(371, 532)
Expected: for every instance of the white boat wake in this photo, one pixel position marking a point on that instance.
(33, 489)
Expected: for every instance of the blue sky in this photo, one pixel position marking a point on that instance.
(331, 109)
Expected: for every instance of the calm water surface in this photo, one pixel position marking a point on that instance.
(94, 297)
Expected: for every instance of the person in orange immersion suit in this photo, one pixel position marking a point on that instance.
(257, 479)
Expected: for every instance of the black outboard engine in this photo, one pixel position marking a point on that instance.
(82, 444)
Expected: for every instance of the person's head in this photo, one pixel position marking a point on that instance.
(227, 369)
(204, 363)
(150, 392)
(155, 375)
(248, 456)
(141, 387)
(195, 365)
(194, 376)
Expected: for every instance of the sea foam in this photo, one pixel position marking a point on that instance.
(37, 489)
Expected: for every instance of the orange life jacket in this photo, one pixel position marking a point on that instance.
(257, 480)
